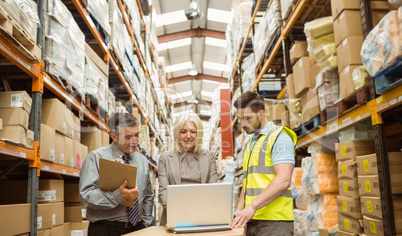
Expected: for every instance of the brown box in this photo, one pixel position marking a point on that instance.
(44, 232)
(301, 75)
(69, 116)
(78, 204)
(16, 134)
(310, 105)
(347, 24)
(57, 231)
(343, 233)
(285, 119)
(73, 214)
(373, 226)
(349, 224)
(371, 206)
(346, 85)
(14, 117)
(297, 51)
(15, 219)
(367, 165)
(91, 54)
(60, 142)
(369, 185)
(71, 192)
(347, 170)
(69, 159)
(51, 190)
(13, 99)
(348, 52)
(57, 213)
(274, 111)
(17, 191)
(44, 216)
(105, 139)
(80, 152)
(349, 188)
(78, 227)
(349, 206)
(323, 232)
(349, 150)
(314, 71)
(92, 138)
(337, 6)
(290, 85)
(54, 114)
(47, 143)
(66, 228)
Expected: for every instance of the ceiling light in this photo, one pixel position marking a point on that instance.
(193, 12)
(177, 67)
(215, 66)
(215, 42)
(193, 71)
(219, 15)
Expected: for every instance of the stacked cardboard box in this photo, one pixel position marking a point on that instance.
(74, 211)
(274, 111)
(15, 107)
(369, 189)
(94, 138)
(349, 217)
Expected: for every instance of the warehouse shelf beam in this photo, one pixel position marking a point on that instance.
(12, 150)
(197, 77)
(59, 169)
(192, 33)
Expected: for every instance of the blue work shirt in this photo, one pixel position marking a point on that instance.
(283, 150)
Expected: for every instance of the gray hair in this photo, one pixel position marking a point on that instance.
(120, 119)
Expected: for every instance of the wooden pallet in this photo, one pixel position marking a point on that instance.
(16, 36)
(276, 65)
(308, 127)
(328, 114)
(354, 100)
(92, 105)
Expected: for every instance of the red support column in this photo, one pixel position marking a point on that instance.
(226, 125)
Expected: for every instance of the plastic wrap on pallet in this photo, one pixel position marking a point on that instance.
(266, 30)
(316, 148)
(399, 2)
(319, 27)
(325, 220)
(359, 131)
(99, 9)
(383, 45)
(312, 44)
(360, 77)
(294, 106)
(135, 15)
(248, 77)
(325, 55)
(326, 76)
(120, 39)
(324, 163)
(286, 8)
(230, 46)
(25, 13)
(295, 119)
(240, 23)
(301, 200)
(96, 84)
(323, 202)
(300, 219)
(328, 94)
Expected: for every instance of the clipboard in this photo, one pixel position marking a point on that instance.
(112, 174)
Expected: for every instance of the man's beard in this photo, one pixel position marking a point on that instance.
(255, 127)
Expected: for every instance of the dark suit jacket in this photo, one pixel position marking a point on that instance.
(169, 173)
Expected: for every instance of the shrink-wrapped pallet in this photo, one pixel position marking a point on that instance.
(300, 222)
(325, 220)
(286, 8)
(240, 23)
(327, 88)
(248, 67)
(99, 10)
(96, 84)
(360, 77)
(383, 45)
(319, 27)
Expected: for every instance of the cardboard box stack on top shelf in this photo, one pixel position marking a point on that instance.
(15, 107)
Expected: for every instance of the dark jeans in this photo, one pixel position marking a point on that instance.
(271, 228)
(112, 228)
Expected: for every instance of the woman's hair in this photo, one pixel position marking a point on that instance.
(178, 125)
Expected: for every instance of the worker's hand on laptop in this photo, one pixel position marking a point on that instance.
(242, 217)
(128, 194)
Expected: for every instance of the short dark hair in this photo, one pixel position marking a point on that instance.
(120, 119)
(250, 100)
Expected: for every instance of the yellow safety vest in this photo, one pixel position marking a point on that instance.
(258, 172)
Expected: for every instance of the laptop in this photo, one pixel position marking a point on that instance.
(199, 207)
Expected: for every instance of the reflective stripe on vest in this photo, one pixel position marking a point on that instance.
(257, 176)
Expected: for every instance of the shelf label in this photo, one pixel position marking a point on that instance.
(78, 232)
(45, 168)
(39, 222)
(347, 121)
(379, 99)
(366, 166)
(392, 102)
(75, 173)
(357, 118)
(84, 213)
(23, 155)
(344, 206)
(368, 186)
(23, 63)
(63, 171)
(47, 195)
(53, 219)
(72, 162)
(369, 206)
(16, 100)
(373, 228)
(333, 127)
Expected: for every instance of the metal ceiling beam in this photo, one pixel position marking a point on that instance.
(191, 34)
(204, 117)
(200, 102)
(198, 77)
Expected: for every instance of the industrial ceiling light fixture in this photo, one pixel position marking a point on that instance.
(193, 71)
(193, 12)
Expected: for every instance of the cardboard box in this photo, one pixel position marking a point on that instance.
(349, 150)
(69, 159)
(51, 190)
(77, 153)
(50, 107)
(347, 170)
(290, 85)
(348, 52)
(14, 117)
(78, 204)
(285, 119)
(346, 85)
(91, 54)
(73, 214)
(274, 111)
(57, 213)
(347, 24)
(349, 188)
(297, 51)
(343, 233)
(44, 216)
(44, 232)
(367, 165)
(16, 134)
(13, 99)
(314, 71)
(69, 116)
(349, 206)
(373, 226)
(71, 192)
(349, 224)
(337, 6)
(57, 230)
(301, 75)
(15, 219)
(92, 138)
(60, 142)
(17, 191)
(310, 105)
(369, 185)
(79, 228)
(105, 139)
(67, 228)
(371, 206)
(47, 143)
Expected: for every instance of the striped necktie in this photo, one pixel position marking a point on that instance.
(132, 212)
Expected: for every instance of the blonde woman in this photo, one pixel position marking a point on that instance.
(188, 163)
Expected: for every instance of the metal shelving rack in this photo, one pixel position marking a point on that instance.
(373, 109)
(18, 155)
